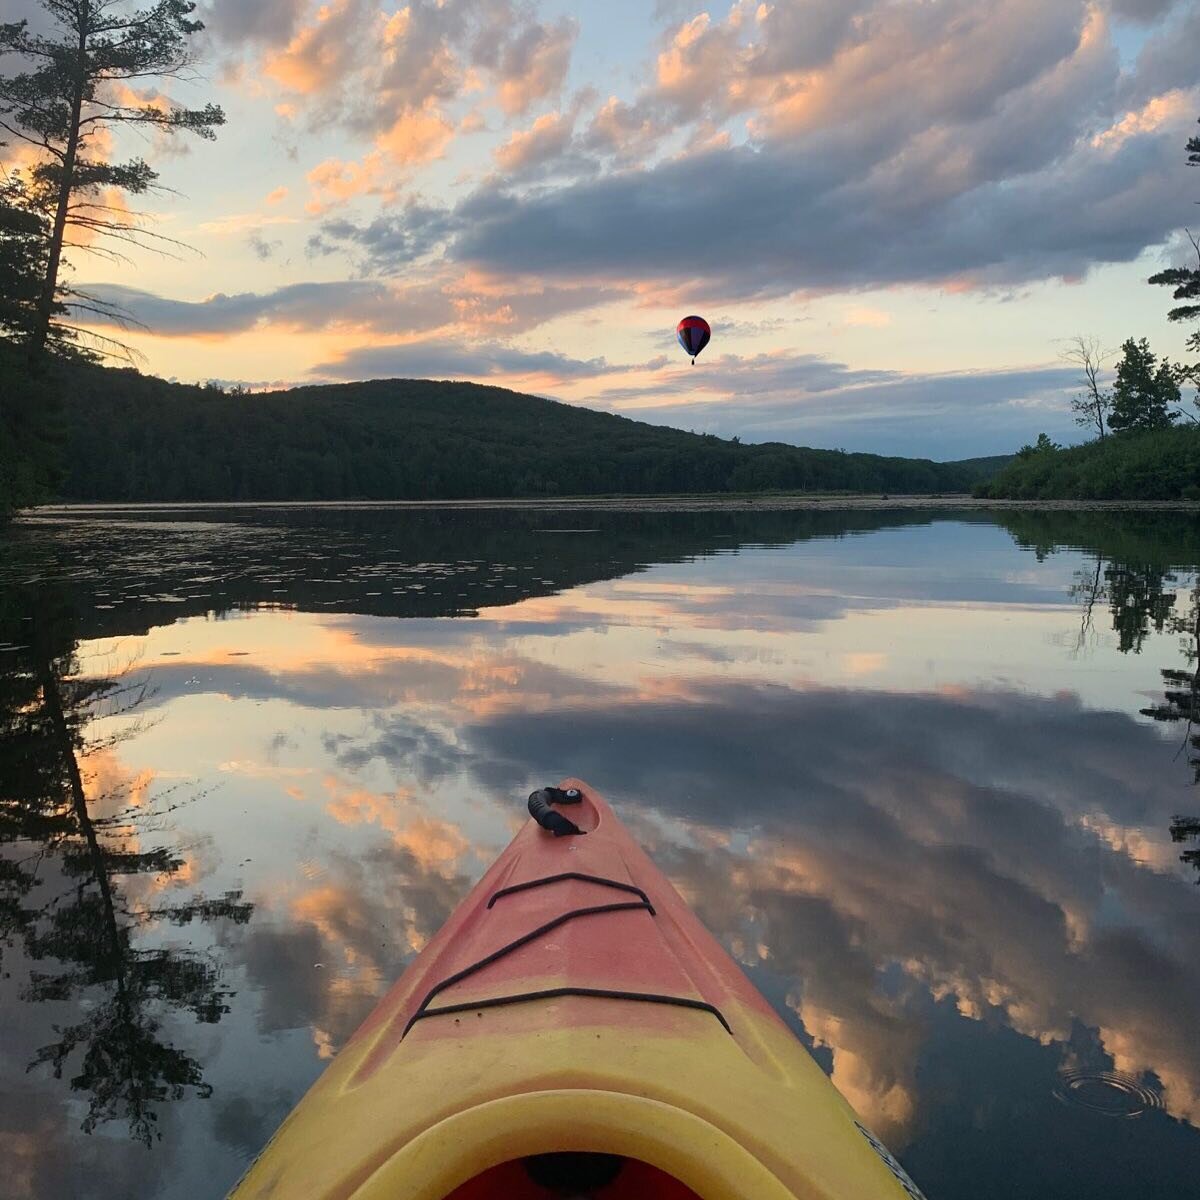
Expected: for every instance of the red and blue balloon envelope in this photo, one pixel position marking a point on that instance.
(693, 334)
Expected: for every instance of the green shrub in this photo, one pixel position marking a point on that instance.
(1160, 464)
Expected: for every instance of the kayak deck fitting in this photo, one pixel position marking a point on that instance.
(573, 1031)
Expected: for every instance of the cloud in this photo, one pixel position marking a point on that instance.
(335, 181)
(953, 64)
(387, 244)
(761, 150)
(322, 53)
(444, 359)
(364, 68)
(969, 159)
(1172, 108)
(761, 222)
(390, 76)
(808, 400)
(544, 140)
(1166, 60)
(299, 306)
(244, 222)
(467, 303)
(732, 375)
(1145, 11)
(532, 64)
(418, 137)
(262, 249)
(627, 132)
(805, 34)
(265, 22)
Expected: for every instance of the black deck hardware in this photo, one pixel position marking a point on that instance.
(553, 993)
(423, 1009)
(550, 818)
(582, 877)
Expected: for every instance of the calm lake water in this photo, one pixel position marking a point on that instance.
(905, 765)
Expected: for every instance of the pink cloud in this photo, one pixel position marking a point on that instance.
(533, 65)
(545, 139)
(628, 132)
(321, 53)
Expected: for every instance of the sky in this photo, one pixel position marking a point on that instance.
(892, 212)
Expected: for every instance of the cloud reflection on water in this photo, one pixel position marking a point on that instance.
(936, 835)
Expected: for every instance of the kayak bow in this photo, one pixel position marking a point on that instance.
(573, 1031)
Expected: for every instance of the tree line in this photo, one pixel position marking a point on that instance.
(131, 437)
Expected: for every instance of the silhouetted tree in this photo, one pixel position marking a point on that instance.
(88, 933)
(31, 434)
(82, 85)
(1043, 445)
(1185, 282)
(1145, 391)
(24, 245)
(1091, 404)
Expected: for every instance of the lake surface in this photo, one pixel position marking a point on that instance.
(918, 771)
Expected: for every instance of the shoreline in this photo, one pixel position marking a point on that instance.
(783, 502)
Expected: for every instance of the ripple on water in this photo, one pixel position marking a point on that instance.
(1111, 1093)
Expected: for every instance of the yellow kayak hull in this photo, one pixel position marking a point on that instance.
(623, 1029)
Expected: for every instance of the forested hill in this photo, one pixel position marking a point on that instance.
(133, 437)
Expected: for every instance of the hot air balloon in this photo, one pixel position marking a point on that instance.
(693, 334)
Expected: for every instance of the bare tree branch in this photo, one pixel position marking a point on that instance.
(1092, 404)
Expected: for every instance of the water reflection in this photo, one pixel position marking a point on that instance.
(1144, 596)
(1187, 829)
(81, 889)
(901, 763)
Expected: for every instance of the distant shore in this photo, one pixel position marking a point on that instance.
(713, 502)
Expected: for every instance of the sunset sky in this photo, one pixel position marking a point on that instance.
(891, 211)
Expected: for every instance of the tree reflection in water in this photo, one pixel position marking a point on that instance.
(78, 886)
(1141, 596)
(1181, 703)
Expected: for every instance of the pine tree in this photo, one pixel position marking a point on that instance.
(29, 410)
(24, 241)
(1186, 282)
(82, 85)
(1145, 390)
